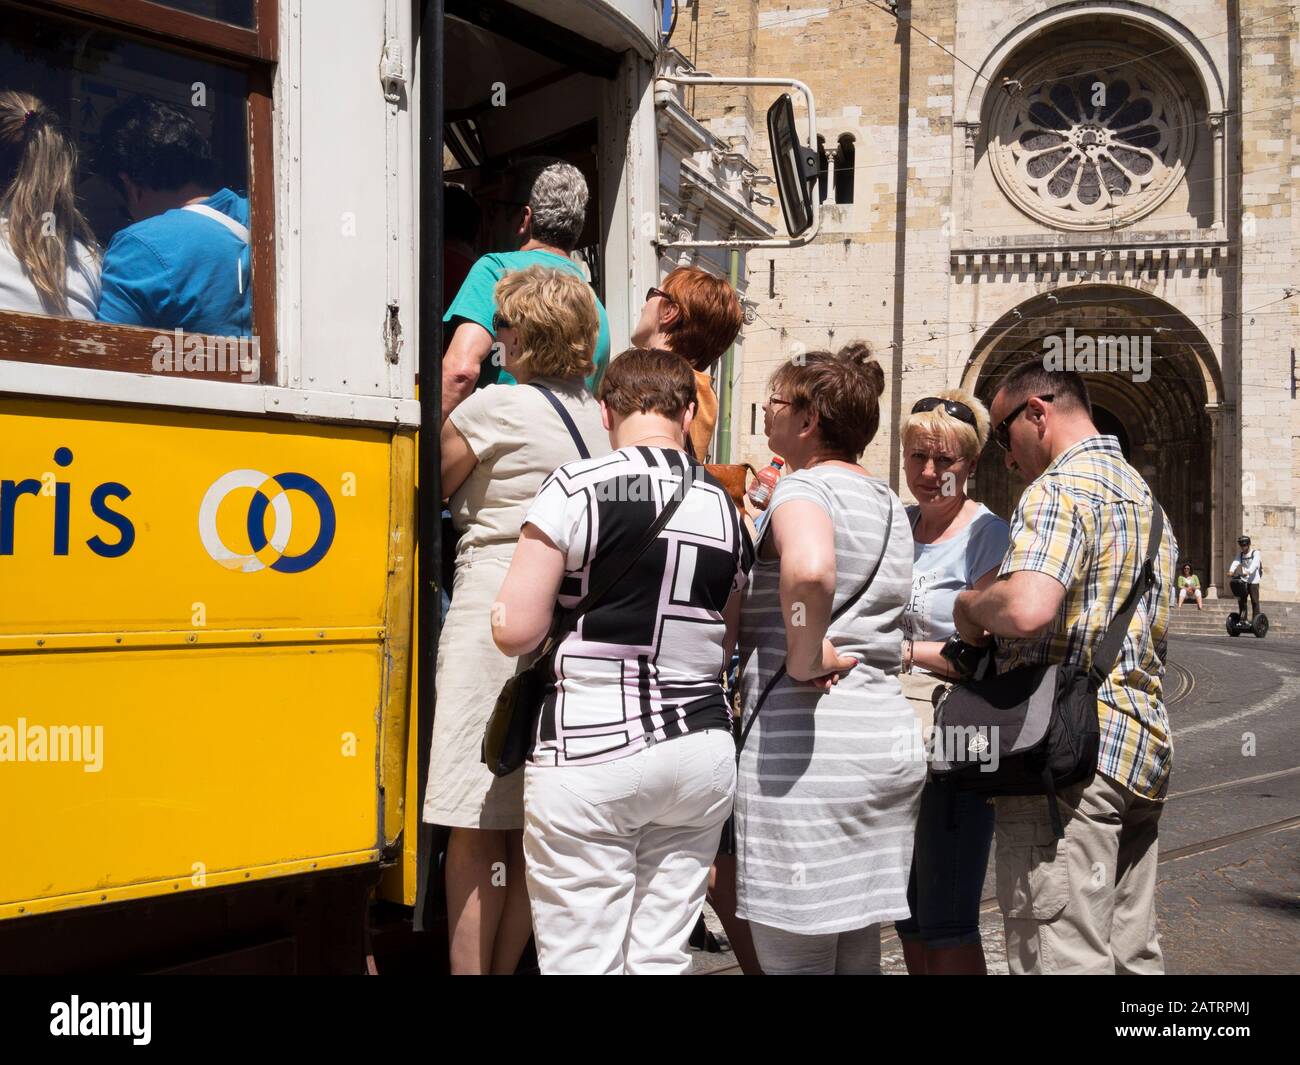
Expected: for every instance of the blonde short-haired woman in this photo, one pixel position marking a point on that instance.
(958, 544)
(49, 261)
(497, 448)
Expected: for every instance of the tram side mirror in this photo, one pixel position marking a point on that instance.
(796, 166)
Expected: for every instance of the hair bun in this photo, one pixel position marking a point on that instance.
(858, 353)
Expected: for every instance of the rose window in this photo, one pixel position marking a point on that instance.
(1091, 139)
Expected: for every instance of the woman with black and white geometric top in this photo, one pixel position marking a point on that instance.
(633, 771)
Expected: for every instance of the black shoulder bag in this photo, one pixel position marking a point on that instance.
(844, 608)
(510, 730)
(1042, 720)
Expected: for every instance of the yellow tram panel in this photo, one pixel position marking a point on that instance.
(194, 657)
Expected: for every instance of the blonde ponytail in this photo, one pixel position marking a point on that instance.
(38, 169)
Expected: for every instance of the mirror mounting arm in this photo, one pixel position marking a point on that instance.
(807, 235)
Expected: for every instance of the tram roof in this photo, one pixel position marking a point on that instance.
(614, 24)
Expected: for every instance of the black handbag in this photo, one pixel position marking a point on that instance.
(510, 730)
(1033, 730)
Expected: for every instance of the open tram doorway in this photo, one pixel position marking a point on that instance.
(1164, 422)
(517, 86)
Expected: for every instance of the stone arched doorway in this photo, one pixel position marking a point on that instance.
(1161, 420)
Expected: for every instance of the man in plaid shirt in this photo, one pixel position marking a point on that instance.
(1085, 903)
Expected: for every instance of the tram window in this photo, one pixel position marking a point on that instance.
(236, 12)
(125, 198)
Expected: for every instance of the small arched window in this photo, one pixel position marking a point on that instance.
(844, 169)
(823, 168)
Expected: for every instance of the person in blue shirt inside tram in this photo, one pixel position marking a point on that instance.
(185, 262)
(541, 210)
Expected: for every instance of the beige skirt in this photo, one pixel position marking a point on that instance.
(462, 793)
(919, 689)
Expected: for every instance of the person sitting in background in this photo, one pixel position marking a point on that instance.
(496, 449)
(697, 316)
(959, 544)
(49, 261)
(541, 211)
(1189, 584)
(634, 767)
(186, 262)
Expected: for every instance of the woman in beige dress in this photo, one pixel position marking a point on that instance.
(496, 449)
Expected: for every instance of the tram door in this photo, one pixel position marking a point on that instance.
(509, 95)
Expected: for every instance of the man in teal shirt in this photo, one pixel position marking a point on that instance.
(545, 213)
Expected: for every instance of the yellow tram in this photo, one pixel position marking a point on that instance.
(210, 546)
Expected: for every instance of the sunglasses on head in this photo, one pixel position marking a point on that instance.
(1002, 434)
(951, 407)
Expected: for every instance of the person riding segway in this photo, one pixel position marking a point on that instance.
(1243, 579)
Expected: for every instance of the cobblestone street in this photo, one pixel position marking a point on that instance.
(1230, 835)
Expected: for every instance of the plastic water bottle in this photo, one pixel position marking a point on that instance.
(765, 483)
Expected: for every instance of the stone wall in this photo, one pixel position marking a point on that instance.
(933, 260)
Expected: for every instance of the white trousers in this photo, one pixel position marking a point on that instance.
(618, 854)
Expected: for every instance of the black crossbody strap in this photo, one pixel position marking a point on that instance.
(566, 619)
(1107, 653)
(776, 677)
(565, 417)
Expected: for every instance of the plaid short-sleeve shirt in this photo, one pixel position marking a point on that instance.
(1086, 522)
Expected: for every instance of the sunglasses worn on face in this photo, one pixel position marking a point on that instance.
(954, 409)
(1002, 434)
(499, 323)
(652, 292)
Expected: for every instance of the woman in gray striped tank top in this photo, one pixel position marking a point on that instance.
(831, 769)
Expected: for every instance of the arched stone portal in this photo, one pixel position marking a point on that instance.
(1163, 423)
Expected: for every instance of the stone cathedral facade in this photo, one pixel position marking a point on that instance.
(1000, 180)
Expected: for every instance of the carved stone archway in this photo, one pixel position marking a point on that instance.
(1169, 431)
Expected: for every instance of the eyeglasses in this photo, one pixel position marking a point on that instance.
(774, 400)
(953, 408)
(499, 323)
(652, 292)
(1002, 434)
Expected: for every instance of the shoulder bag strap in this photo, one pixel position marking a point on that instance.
(237, 228)
(565, 619)
(776, 677)
(1113, 641)
(565, 417)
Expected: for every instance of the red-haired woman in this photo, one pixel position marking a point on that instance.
(697, 316)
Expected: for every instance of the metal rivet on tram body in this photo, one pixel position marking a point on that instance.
(40, 643)
(257, 635)
(321, 635)
(192, 637)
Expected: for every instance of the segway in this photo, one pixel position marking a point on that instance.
(1237, 624)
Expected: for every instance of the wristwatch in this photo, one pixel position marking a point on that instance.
(965, 657)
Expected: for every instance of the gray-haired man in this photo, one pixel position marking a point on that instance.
(541, 209)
